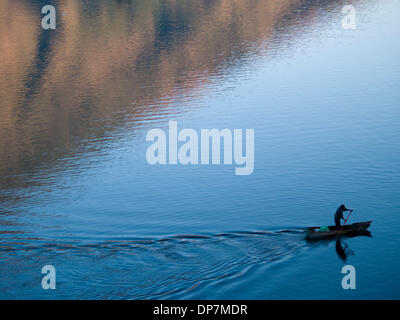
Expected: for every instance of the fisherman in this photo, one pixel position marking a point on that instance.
(339, 214)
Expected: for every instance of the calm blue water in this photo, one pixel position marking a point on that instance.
(76, 191)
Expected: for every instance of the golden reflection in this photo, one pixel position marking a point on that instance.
(108, 58)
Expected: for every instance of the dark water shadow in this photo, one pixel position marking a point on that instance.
(342, 249)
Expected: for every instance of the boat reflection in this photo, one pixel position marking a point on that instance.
(342, 249)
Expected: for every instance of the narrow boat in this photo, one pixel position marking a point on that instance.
(358, 228)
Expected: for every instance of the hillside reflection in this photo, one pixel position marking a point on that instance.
(110, 61)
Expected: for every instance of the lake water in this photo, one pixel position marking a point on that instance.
(76, 191)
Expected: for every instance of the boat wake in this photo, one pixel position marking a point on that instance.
(179, 266)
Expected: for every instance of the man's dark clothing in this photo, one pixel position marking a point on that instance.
(339, 214)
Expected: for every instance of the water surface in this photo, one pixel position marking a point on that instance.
(76, 191)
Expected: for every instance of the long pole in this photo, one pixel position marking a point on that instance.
(347, 217)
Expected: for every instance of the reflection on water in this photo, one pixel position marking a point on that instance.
(76, 102)
(112, 62)
(343, 250)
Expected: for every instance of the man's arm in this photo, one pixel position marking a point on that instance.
(351, 210)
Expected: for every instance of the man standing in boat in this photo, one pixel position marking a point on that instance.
(339, 214)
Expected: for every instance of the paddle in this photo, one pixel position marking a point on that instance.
(341, 229)
(347, 217)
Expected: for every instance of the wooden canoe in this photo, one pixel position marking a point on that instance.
(354, 229)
